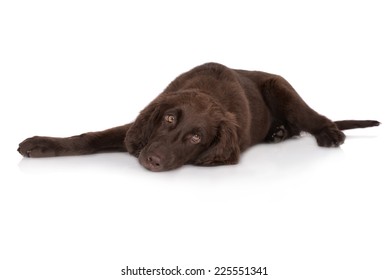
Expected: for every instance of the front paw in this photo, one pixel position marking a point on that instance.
(330, 137)
(39, 146)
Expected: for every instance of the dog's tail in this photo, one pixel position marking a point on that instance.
(351, 124)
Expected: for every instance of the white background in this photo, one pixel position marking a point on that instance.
(304, 212)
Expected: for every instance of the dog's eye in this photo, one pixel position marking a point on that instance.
(195, 139)
(169, 118)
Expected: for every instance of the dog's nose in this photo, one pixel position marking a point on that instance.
(154, 162)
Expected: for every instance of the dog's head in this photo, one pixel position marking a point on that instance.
(183, 127)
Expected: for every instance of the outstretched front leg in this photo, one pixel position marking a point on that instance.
(87, 143)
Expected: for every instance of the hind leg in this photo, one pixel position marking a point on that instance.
(291, 110)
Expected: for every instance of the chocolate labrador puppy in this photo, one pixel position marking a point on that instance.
(206, 116)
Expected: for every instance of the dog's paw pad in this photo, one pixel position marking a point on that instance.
(279, 134)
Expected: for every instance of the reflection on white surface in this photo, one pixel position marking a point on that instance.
(263, 162)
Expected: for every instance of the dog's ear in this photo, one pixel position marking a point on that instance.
(139, 133)
(225, 147)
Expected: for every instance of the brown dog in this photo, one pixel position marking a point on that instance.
(207, 116)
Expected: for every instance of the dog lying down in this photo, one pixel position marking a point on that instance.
(206, 116)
